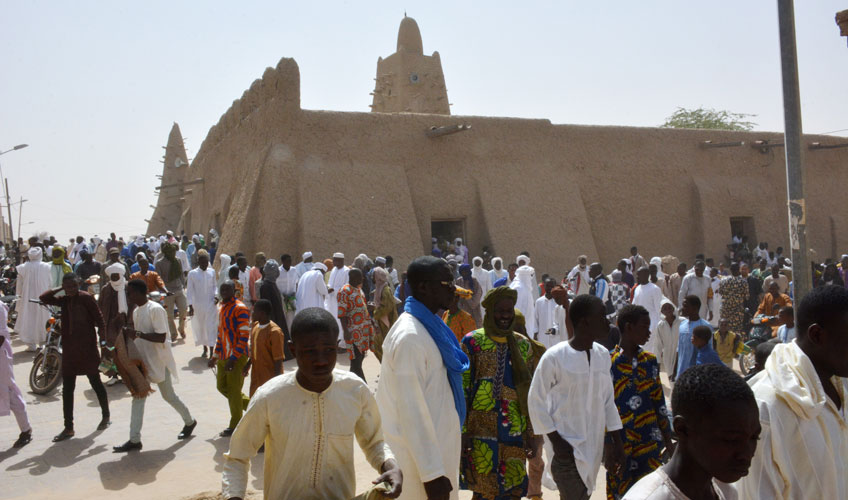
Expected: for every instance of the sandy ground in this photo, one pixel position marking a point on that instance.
(84, 467)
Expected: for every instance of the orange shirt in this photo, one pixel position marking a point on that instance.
(152, 278)
(460, 323)
(266, 347)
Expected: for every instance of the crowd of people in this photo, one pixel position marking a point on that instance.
(491, 379)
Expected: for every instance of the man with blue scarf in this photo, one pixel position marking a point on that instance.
(420, 396)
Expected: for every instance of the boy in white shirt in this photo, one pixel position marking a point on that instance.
(716, 421)
(307, 420)
(571, 401)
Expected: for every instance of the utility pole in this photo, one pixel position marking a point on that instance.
(9, 208)
(20, 211)
(795, 173)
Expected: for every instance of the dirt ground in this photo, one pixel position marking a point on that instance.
(84, 467)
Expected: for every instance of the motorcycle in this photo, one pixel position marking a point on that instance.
(12, 314)
(46, 372)
(760, 333)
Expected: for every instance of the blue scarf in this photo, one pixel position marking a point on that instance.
(455, 360)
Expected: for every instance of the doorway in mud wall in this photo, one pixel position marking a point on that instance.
(744, 227)
(446, 231)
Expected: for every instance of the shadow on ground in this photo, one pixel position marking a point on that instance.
(136, 467)
(62, 454)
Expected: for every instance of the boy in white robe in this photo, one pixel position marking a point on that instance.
(667, 334)
(547, 331)
(307, 421)
(801, 397)
(338, 279)
(572, 402)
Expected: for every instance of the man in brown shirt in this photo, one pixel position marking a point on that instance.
(152, 278)
(266, 347)
(80, 353)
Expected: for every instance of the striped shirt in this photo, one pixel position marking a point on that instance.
(233, 330)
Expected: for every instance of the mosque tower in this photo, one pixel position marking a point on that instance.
(166, 215)
(408, 81)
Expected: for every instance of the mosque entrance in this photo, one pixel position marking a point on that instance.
(744, 226)
(447, 230)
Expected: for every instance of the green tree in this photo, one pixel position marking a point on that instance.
(709, 118)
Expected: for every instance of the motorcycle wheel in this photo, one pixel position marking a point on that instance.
(747, 362)
(46, 373)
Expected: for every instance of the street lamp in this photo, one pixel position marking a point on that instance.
(6, 188)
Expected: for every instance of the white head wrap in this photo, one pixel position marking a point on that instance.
(120, 285)
(306, 255)
(522, 258)
(321, 266)
(35, 254)
(141, 255)
(380, 260)
(658, 262)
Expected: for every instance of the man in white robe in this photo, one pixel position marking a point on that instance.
(201, 289)
(11, 398)
(305, 265)
(338, 279)
(548, 330)
(699, 285)
(311, 289)
(801, 393)
(649, 296)
(33, 280)
(578, 279)
(461, 251)
(667, 334)
(524, 283)
(524, 260)
(415, 399)
(287, 285)
(481, 275)
(498, 271)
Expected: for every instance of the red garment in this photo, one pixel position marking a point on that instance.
(255, 275)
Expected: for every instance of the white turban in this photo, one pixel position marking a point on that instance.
(338, 255)
(477, 261)
(120, 285)
(140, 255)
(35, 254)
(321, 266)
(380, 260)
(522, 258)
(306, 255)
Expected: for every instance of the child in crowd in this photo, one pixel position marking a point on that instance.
(233, 274)
(717, 425)
(786, 331)
(761, 354)
(727, 344)
(640, 401)
(266, 347)
(704, 353)
(690, 312)
(310, 417)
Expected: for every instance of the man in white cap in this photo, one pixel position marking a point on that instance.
(461, 251)
(306, 265)
(311, 289)
(338, 279)
(34, 278)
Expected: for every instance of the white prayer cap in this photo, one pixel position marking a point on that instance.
(169, 233)
(338, 255)
(788, 262)
(306, 255)
(522, 258)
(321, 266)
(380, 260)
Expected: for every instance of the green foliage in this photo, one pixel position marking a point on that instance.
(709, 119)
(514, 474)
(517, 421)
(484, 400)
(481, 453)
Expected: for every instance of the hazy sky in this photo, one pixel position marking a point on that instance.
(93, 87)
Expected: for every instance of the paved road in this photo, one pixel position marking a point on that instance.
(84, 467)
